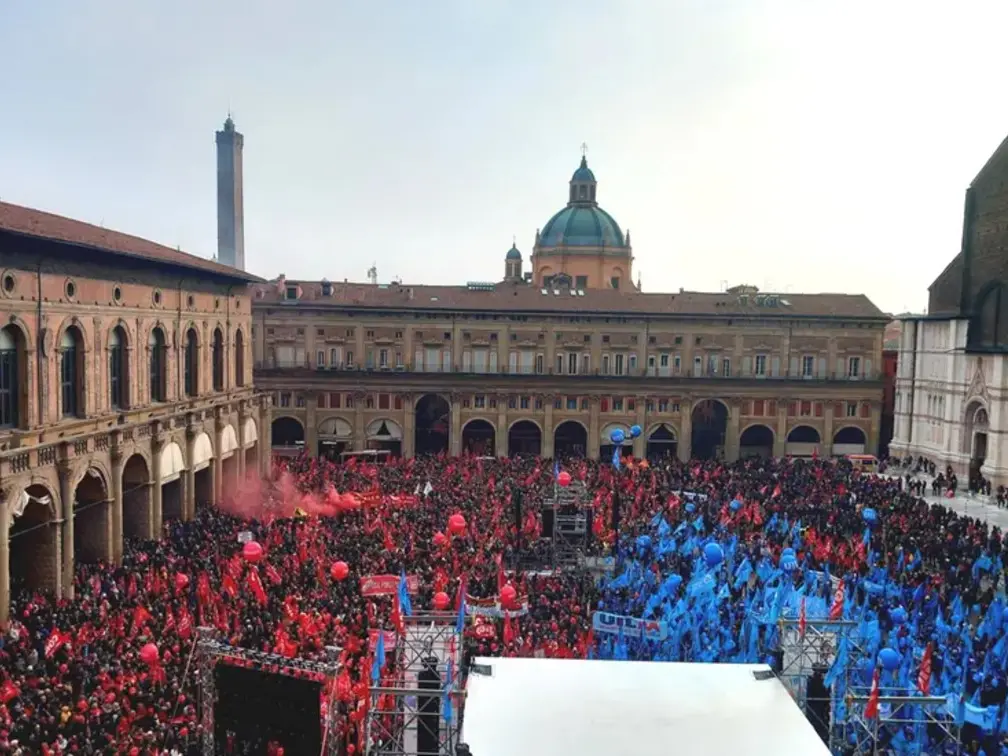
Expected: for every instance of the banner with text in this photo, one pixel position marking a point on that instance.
(386, 585)
(390, 639)
(631, 627)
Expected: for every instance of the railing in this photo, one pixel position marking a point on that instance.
(636, 372)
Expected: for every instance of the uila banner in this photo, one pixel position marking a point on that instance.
(386, 585)
(631, 627)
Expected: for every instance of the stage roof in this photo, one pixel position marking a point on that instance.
(542, 707)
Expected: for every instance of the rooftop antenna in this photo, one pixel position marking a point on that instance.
(372, 274)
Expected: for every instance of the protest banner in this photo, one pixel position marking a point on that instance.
(386, 585)
(631, 627)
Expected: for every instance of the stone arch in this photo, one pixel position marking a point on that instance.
(479, 436)
(976, 426)
(804, 434)
(72, 350)
(383, 428)
(757, 440)
(15, 377)
(432, 432)
(336, 427)
(850, 439)
(202, 452)
(661, 441)
(708, 428)
(72, 321)
(250, 432)
(16, 322)
(137, 515)
(32, 520)
(570, 439)
(127, 332)
(92, 514)
(524, 437)
(287, 432)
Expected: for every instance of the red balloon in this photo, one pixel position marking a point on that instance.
(252, 551)
(564, 478)
(440, 539)
(441, 601)
(181, 581)
(508, 595)
(340, 570)
(150, 655)
(456, 524)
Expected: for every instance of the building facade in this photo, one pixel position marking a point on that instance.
(950, 399)
(890, 365)
(125, 393)
(551, 360)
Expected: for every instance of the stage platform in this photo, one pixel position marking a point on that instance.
(542, 707)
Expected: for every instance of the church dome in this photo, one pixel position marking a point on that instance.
(513, 253)
(582, 226)
(582, 223)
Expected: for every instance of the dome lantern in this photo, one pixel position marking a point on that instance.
(583, 183)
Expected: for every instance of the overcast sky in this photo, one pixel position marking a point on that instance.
(798, 145)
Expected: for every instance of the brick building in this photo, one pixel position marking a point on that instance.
(950, 398)
(125, 392)
(551, 360)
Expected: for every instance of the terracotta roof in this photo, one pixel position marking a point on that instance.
(42, 225)
(511, 297)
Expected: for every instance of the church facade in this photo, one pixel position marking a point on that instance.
(552, 358)
(950, 402)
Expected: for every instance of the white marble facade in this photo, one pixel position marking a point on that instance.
(950, 405)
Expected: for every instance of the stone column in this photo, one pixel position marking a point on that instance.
(242, 417)
(455, 437)
(116, 503)
(189, 476)
(359, 439)
(409, 426)
(311, 422)
(780, 437)
(66, 582)
(594, 428)
(264, 445)
(156, 515)
(872, 446)
(684, 445)
(548, 437)
(640, 443)
(501, 436)
(5, 563)
(731, 447)
(217, 463)
(826, 447)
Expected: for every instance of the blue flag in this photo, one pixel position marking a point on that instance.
(460, 620)
(616, 457)
(556, 469)
(379, 659)
(446, 708)
(405, 605)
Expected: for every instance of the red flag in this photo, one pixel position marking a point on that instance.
(836, 610)
(508, 630)
(184, 624)
(53, 643)
(397, 618)
(8, 692)
(141, 616)
(802, 621)
(273, 575)
(255, 585)
(501, 577)
(872, 707)
(924, 676)
(229, 586)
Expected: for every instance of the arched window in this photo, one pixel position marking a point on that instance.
(239, 359)
(71, 374)
(156, 345)
(218, 360)
(118, 383)
(191, 363)
(10, 378)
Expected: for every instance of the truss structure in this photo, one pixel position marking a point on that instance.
(211, 651)
(920, 714)
(815, 650)
(429, 643)
(570, 524)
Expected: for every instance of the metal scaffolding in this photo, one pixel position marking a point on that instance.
(425, 651)
(570, 524)
(211, 650)
(815, 650)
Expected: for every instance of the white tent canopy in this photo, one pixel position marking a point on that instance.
(542, 707)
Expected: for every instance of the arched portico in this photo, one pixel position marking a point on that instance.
(229, 452)
(33, 542)
(137, 512)
(803, 441)
(708, 428)
(250, 446)
(849, 440)
(756, 440)
(479, 437)
(92, 514)
(432, 425)
(662, 442)
(201, 466)
(385, 434)
(570, 439)
(524, 437)
(172, 468)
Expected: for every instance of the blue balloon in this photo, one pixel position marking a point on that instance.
(713, 554)
(787, 551)
(899, 615)
(635, 430)
(735, 505)
(617, 436)
(889, 658)
(643, 542)
(788, 564)
(869, 515)
(690, 506)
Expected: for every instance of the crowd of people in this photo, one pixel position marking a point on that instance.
(716, 551)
